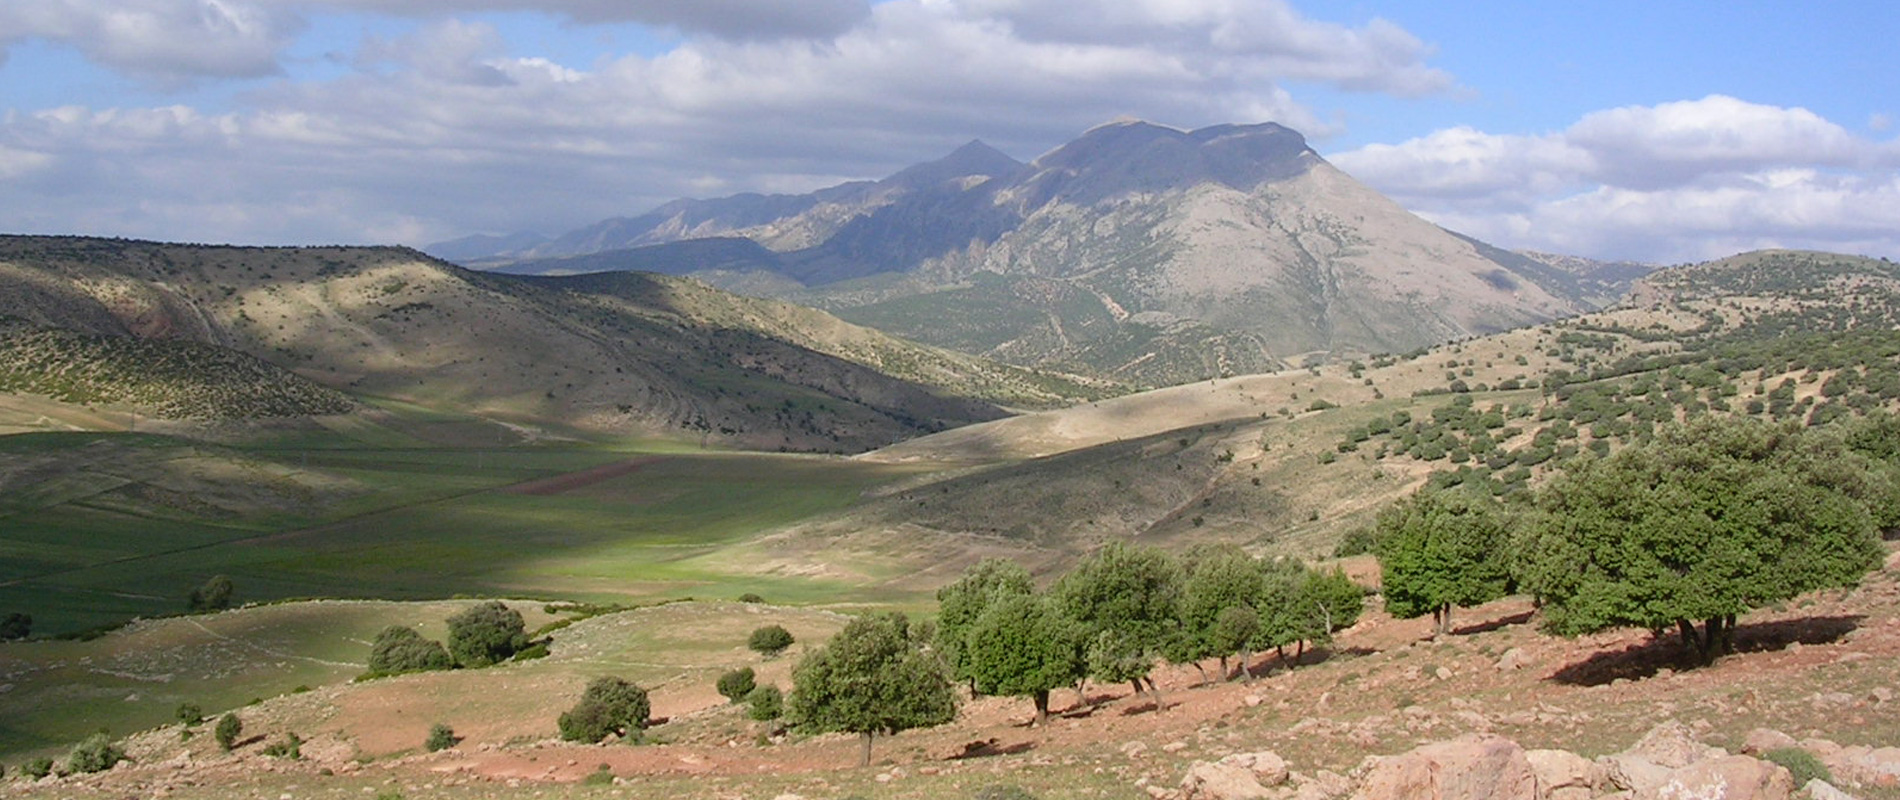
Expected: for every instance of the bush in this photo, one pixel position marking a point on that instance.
(96, 754)
(533, 651)
(770, 640)
(400, 649)
(190, 714)
(228, 730)
(735, 685)
(751, 597)
(1799, 763)
(1357, 541)
(441, 737)
(609, 705)
(15, 625)
(765, 703)
(486, 634)
(290, 747)
(1003, 792)
(604, 776)
(214, 595)
(37, 768)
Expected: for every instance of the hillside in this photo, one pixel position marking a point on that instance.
(1137, 252)
(635, 356)
(1290, 462)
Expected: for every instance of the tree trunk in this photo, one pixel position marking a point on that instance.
(1299, 652)
(1082, 693)
(1155, 692)
(865, 759)
(1137, 683)
(1444, 620)
(1246, 658)
(1225, 674)
(1042, 707)
(1203, 668)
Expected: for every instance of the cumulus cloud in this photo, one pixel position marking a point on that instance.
(166, 42)
(1676, 181)
(449, 130)
(733, 19)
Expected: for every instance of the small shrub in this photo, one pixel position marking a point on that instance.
(486, 634)
(15, 626)
(95, 754)
(441, 737)
(770, 640)
(609, 705)
(533, 651)
(765, 703)
(1003, 792)
(214, 595)
(228, 729)
(600, 777)
(37, 768)
(738, 683)
(190, 714)
(1357, 541)
(290, 747)
(1800, 763)
(751, 597)
(399, 649)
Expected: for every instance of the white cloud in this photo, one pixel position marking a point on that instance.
(733, 19)
(447, 130)
(165, 42)
(1673, 182)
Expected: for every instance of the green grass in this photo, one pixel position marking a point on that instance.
(431, 523)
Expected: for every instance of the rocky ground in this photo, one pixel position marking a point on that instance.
(1495, 710)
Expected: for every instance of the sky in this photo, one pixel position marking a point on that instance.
(1657, 131)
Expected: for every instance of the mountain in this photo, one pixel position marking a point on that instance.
(1144, 253)
(628, 353)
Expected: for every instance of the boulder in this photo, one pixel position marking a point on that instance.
(1480, 767)
(1221, 781)
(1726, 777)
(1818, 789)
(1267, 767)
(1562, 769)
(1762, 740)
(1672, 744)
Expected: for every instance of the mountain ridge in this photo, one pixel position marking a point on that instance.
(1226, 247)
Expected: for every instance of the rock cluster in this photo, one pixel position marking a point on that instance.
(1668, 763)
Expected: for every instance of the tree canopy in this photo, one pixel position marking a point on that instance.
(1705, 522)
(1440, 549)
(1023, 645)
(1127, 600)
(872, 677)
(486, 634)
(960, 603)
(398, 649)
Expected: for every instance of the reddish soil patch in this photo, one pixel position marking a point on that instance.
(542, 487)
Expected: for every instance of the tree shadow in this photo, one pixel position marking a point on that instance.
(987, 748)
(1270, 663)
(1495, 624)
(1645, 659)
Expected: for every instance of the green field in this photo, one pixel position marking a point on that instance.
(92, 547)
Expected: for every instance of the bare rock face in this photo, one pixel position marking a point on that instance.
(1561, 773)
(1762, 740)
(1478, 767)
(1669, 764)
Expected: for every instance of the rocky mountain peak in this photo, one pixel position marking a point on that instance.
(1130, 157)
(972, 159)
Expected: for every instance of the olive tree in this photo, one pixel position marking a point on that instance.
(485, 634)
(1127, 601)
(769, 640)
(1441, 549)
(960, 603)
(872, 677)
(214, 595)
(1701, 524)
(1023, 645)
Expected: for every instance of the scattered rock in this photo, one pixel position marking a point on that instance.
(1267, 767)
(1729, 778)
(1513, 659)
(1174, 747)
(1562, 769)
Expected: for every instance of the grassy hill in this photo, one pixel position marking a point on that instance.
(628, 355)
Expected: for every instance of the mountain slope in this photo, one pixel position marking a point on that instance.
(1143, 253)
(641, 354)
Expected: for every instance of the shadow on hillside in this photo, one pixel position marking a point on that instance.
(1645, 659)
(1271, 663)
(986, 748)
(1496, 624)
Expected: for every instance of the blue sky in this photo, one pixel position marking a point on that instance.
(1656, 131)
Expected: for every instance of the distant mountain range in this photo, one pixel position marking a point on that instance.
(210, 332)
(1138, 252)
